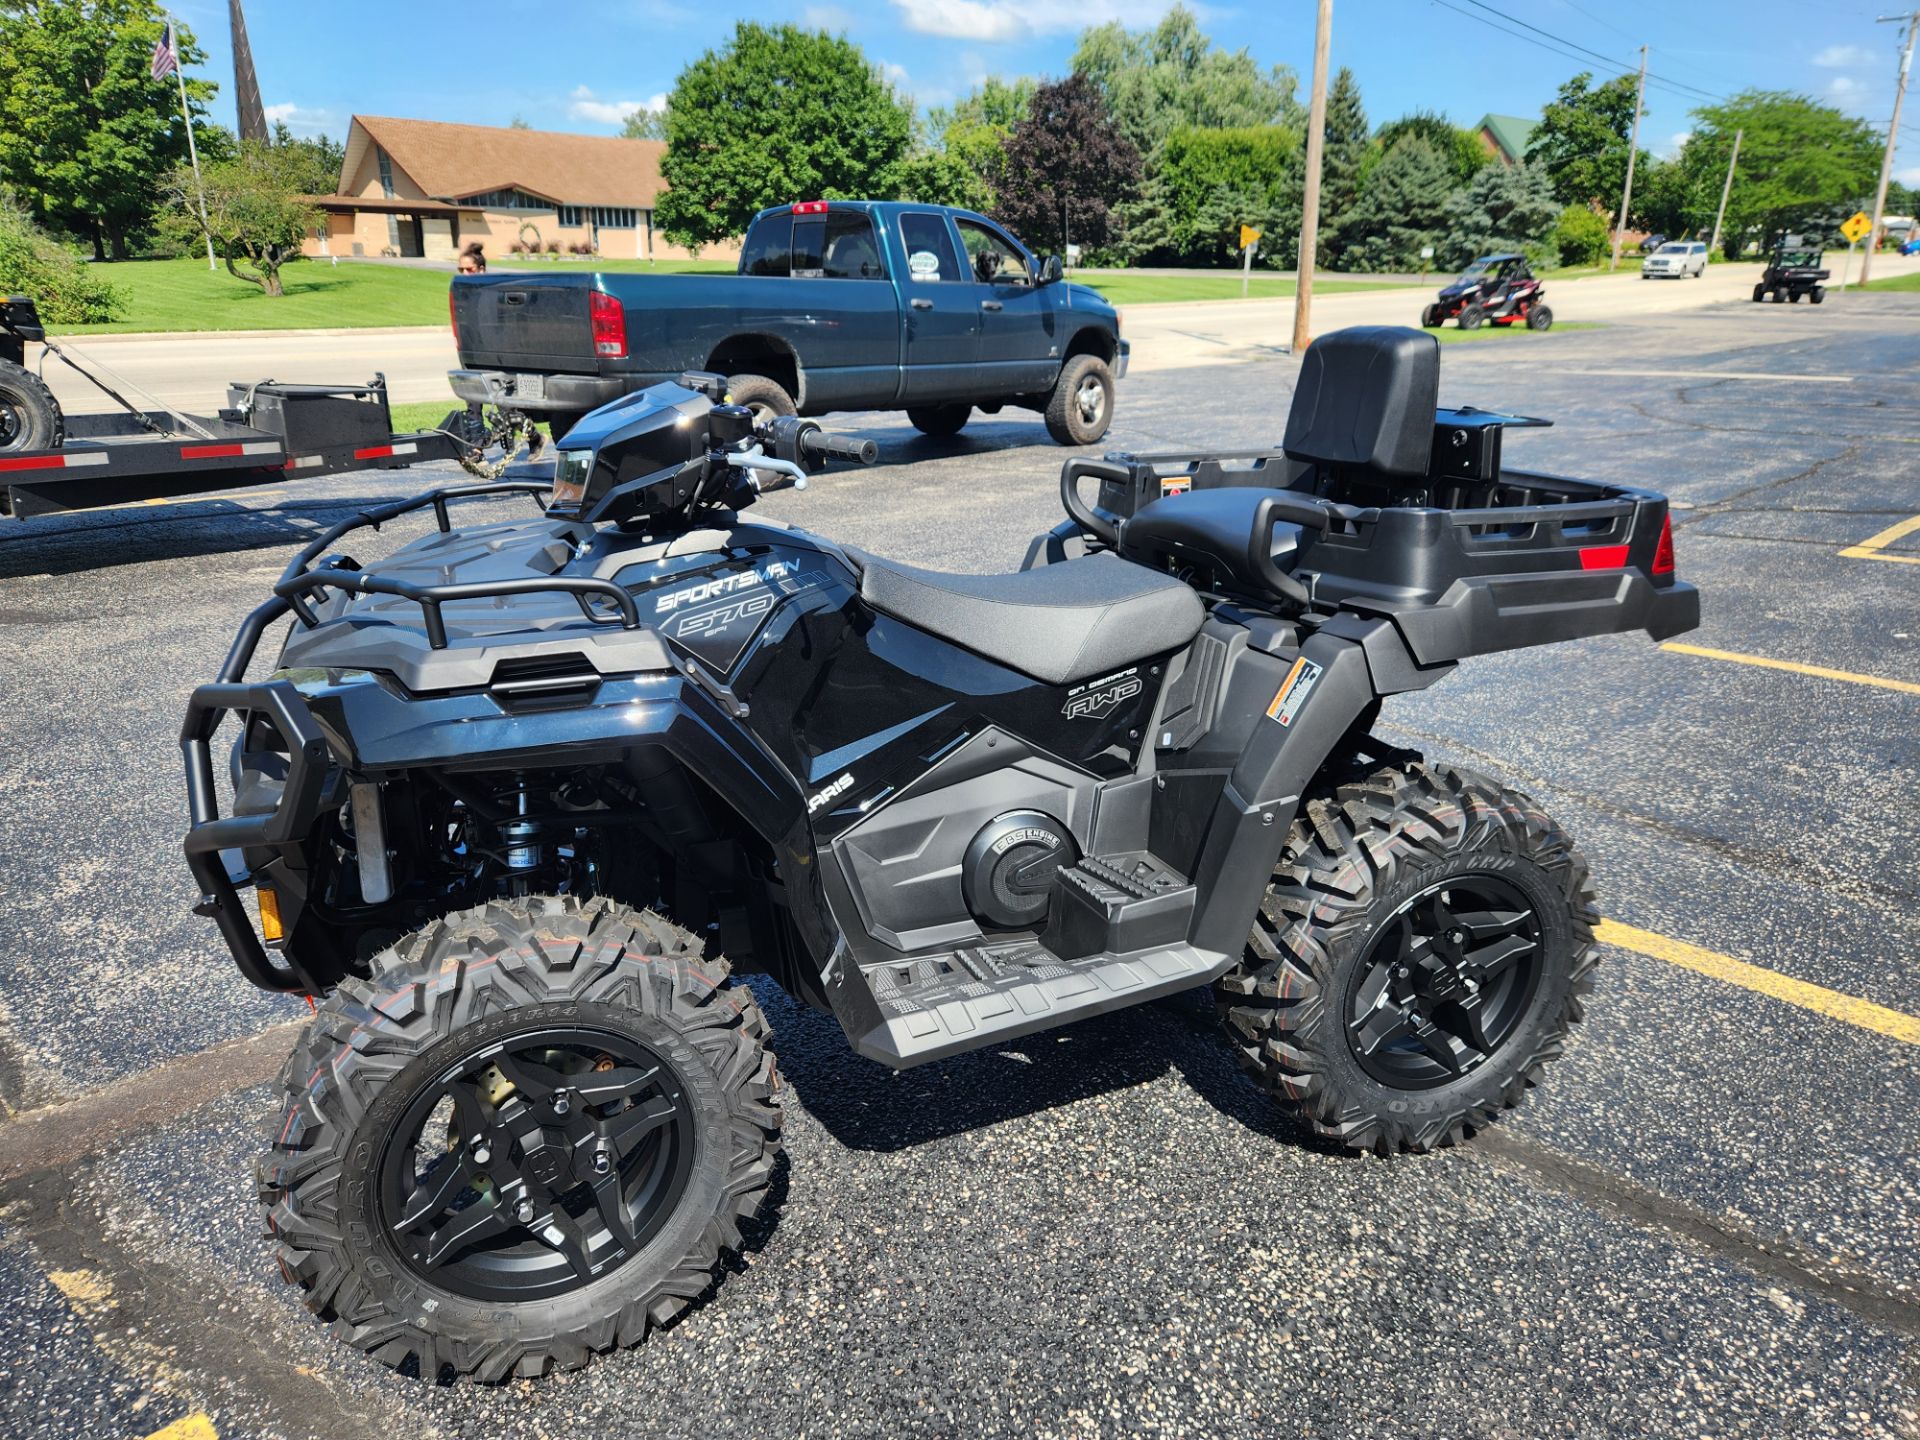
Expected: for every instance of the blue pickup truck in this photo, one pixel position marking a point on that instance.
(837, 305)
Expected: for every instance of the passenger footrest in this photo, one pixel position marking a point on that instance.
(939, 1005)
(1116, 903)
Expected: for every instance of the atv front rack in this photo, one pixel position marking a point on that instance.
(298, 582)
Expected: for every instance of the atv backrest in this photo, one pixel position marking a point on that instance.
(1363, 409)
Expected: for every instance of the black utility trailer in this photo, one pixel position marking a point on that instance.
(267, 432)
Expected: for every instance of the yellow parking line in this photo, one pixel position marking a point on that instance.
(1854, 1011)
(193, 1427)
(1871, 548)
(1820, 671)
(197, 499)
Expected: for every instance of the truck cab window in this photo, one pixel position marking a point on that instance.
(837, 246)
(929, 247)
(769, 243)
(992, 256)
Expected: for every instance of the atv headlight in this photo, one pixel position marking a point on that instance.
(570, 479)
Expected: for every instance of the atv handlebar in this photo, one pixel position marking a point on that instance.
(850, 448)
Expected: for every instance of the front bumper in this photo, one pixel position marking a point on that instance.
(535, 392)
(1121, 350)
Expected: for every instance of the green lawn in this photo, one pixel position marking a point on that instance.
(184, 295)
(1896, 282)
(1453, 334)
(1151, 289)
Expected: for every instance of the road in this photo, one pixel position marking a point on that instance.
(191, 372)
(1705, 1222)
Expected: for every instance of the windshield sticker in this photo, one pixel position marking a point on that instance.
(924, 265)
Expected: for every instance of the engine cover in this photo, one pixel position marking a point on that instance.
(1009, 867)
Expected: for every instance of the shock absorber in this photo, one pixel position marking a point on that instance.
(520, 836)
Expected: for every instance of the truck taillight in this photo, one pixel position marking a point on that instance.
(609, 324)
(1663, 552)
(810, 207)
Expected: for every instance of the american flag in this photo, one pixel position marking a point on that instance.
(166, 58)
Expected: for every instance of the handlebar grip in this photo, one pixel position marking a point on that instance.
(840, 447)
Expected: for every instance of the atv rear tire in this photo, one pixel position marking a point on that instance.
(1081, 405)
(645, 1065)
(1391, 896)
(30, 417)
(766, 398)
(1816, 294)
(1473, 317)
(940, 421)
(1759, 293)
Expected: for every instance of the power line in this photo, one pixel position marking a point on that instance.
(1594, 54)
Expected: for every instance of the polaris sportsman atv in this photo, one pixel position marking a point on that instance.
(1493, 290)
(517, 799)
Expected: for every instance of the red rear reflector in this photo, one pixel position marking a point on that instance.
(1663, 553)
(609, 324)
(453, 317)
(810, 207)
(1604, 557)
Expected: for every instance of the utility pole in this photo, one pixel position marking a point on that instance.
(1310, 199)
(1725, 191)
(1633, 152)
(1893, 137)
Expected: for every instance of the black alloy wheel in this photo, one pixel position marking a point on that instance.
(1444, 983)
(537, 1165)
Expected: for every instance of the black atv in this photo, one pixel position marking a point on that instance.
(518, 799)
(1792, 271)
(1493, 290)
(30, 417)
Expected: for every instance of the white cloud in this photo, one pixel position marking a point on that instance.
(993, 21)
(1910, 176)
(584, 105)
(1844, 87)
(300, 119)
(896, 75)
(830, 18)
(1842, 57)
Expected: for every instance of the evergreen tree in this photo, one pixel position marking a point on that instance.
(1347, 137)
(1403, 208)
(1503, 209)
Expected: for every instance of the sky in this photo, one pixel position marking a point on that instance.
(582, 65)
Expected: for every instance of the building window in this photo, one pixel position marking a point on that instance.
(509, 200)
(572, 216)
(386, 172)
(616, 217)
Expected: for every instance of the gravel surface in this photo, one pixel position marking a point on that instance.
(1706, 1222)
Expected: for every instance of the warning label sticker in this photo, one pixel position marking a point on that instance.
(1293, 691)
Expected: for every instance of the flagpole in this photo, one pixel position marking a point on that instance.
(193, 150)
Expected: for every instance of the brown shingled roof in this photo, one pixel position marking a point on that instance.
(455, 161)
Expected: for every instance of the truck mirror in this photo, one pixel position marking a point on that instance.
(1050, 270)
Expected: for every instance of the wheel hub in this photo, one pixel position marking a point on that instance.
(1445, 982)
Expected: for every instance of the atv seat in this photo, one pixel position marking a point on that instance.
(1058, 623)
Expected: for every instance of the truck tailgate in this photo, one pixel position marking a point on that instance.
(525, 322)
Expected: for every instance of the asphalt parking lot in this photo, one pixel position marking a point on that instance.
(1706, 1222)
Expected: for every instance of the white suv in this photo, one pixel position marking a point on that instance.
(1680, 258)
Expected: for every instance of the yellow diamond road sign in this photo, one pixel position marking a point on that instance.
(1855, 228)
(1248, 235)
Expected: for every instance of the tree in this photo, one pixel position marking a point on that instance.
(1503, 209)
(1067, 167)
(33, 263)
(256, 209)
(85, 129)
(1667, 200)
(1802, 164)
(1580, 236)
(1583, 138)
(941, 177)
(313, 162)
(644, 124)
(1171, 77)
(778, 114)
(1466, 155)
(963, 146)
(1210, 183)
(1342, 159)
(1403, 208)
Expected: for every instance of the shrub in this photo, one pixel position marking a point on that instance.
(1580, 236)
(553, 247)
(32, 263)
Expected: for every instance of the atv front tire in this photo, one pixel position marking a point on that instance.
(1473, 317)
(1420, 953)
(1540, 317)
(30, 417)
(528, 1139)
(1431, 318)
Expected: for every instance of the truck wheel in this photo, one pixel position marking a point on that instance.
(1081, 405)
(1473, 317)
(766, 398)
(940, 420)
(30, 417)
(527, 1139)
(1420, 953)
